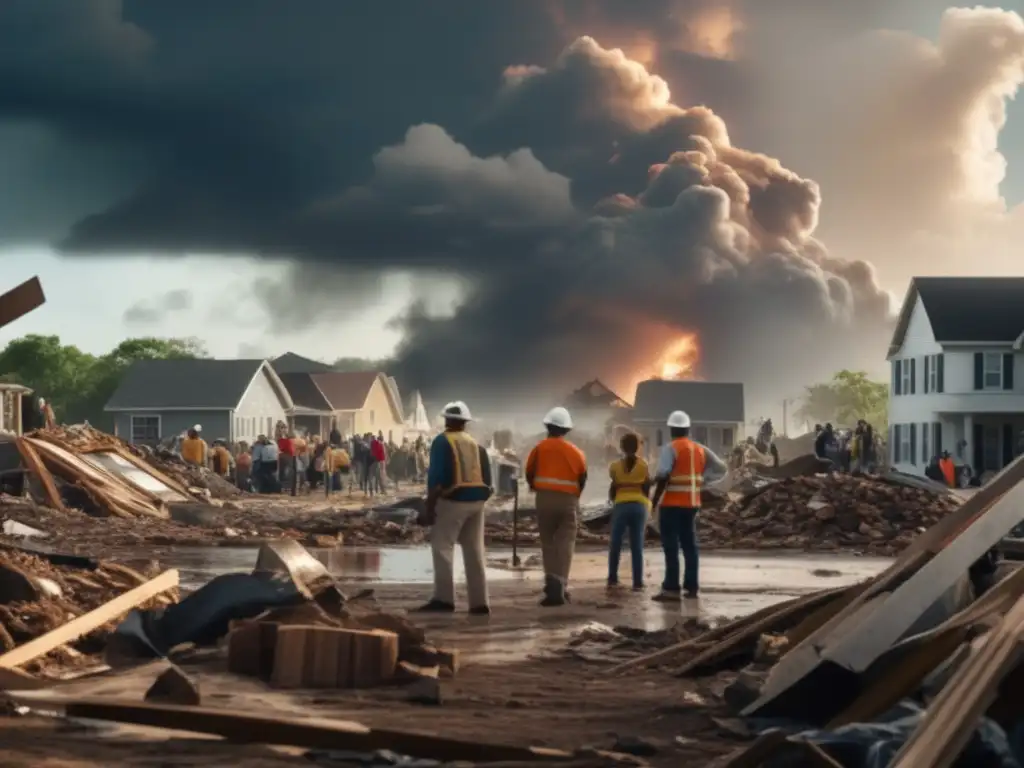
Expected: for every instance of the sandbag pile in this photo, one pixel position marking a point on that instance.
(826, 512)
(37, 597)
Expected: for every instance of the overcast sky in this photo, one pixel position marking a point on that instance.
(496, 195)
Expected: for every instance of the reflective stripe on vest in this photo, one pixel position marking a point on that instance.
(556, 455)
(685, 483)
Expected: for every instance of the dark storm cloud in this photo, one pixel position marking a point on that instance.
(582, 209)
(150, 311)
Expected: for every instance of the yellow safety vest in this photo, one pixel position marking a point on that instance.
(466, 465)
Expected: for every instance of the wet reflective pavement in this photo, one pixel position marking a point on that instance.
(732, 585)
(725, 575)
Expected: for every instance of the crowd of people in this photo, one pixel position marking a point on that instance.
(459, 483)
(849, 450)
(291, 462)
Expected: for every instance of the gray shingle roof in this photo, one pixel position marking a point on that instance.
(204, 383)
(704, 401)
(290, 362)
(304, 391)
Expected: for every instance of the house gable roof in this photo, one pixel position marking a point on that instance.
(290, 362)
(703, 401)
(596, 393)
(304, 392)
(349, 390)
(191, 384)
(965, 309)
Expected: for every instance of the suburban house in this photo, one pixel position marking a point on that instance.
(232, 399)
(716, 411)
(594, 406)
(357, 401)
(953, 384)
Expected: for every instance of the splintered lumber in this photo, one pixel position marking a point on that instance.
(35, 466)
(86, 623)
(146, 467)
(899, 677)
(821, 677)
(332, 657)
(789, 613)
(21, 300)
(950, 721)
(245, 728)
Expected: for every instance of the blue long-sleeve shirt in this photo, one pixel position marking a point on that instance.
(441, 472)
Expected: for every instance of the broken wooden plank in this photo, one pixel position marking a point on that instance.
(903, 675)
(951, 719)
(143, 466)
(21, 300)
(245, 728)
(86, 623)
(35, 465)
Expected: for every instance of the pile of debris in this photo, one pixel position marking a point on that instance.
(54, 608)
(827, 512)
(200, 481)
(914, 667)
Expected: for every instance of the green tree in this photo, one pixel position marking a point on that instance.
(851, 395)
(77, 384)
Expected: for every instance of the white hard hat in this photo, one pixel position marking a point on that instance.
(678, 419)
(558, 417)
(457, 410)
(198, 427)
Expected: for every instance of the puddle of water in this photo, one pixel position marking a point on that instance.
(747, 576)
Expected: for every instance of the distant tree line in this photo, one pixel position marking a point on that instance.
(849, 396)
(77, 384)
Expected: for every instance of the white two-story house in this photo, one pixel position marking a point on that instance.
(953, 354)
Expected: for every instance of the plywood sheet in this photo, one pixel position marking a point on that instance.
(118, 466)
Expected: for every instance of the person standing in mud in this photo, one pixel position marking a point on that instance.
(556, 470)
(458, 486)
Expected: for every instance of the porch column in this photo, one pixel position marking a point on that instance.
(968, 457)
(19, 426)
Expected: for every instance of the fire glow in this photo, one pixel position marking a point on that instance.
(679, 359)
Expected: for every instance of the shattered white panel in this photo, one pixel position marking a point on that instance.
(120, 467)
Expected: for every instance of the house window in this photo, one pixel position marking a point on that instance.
(933, 373)
(700, 435)
(905, 374)
(925, 456)
(905, 444)
(993, 376)
(145, 429)
(727, 438)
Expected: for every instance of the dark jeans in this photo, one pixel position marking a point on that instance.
(631, 517)
(679, 532)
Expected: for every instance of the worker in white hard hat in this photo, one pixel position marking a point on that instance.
(684, 467)
(46, 414)
(556, 471)
(458, 486)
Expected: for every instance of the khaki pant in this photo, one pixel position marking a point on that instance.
(460, 522)
(556, 523)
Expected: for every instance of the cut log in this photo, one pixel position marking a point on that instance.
(86, 623)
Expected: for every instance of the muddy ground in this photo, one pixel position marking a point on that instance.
(554, 695)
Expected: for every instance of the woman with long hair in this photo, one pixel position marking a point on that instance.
(629, 491)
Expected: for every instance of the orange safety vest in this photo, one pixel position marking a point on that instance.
(948, 471)
(687, 478)
(556, 465)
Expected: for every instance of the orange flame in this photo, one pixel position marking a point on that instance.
(677, 361)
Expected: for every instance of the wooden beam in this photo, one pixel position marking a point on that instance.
(20, 301)
(36, 467)
(307, 733)
(86, 623)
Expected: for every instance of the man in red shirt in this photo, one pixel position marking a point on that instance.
(286, 462)
(379, 455)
